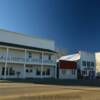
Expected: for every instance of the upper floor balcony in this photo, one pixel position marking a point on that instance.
(33, 61)
(26, 56)
(14, 59)
(49, 62)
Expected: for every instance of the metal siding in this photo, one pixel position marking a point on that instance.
(67, 64)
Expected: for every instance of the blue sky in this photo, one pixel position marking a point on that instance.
(73, 24)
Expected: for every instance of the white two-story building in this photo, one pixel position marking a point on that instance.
(23, 56)
(81, 65)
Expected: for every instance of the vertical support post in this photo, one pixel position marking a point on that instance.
(55, 71)
(24, 76)
(5, 74)
(42, 66)
(55, 67)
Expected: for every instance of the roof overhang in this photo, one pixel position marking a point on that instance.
(26, 47)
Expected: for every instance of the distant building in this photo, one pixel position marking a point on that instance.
(77, 66)
(23, 56)
(61, 52)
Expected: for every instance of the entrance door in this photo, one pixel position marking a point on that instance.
(91, 74)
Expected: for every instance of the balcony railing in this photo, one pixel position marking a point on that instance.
(2, 58)
(28, 60)
(49, 62)
(33, 60)
(16, 59)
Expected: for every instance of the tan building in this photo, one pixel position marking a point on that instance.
(77, 66)
(97, 63)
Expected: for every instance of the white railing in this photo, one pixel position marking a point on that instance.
(2, 58)
(33, 60)
(49, 61)
(16, 59)
(28, 60)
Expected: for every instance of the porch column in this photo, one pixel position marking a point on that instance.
(5, 74)
(42, 66)
(55, 71)
(24, 76)
(55, 66)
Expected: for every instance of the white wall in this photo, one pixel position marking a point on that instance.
(67, 74)
(86, 56)
(16, 53)
(3, 51)
(16, 38)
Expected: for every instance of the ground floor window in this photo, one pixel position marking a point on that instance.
(3, 70)
(63, 71)
(9, 71)
(46, 71)
(29, 70)
(84, 72)
(73, 71)
(38, 71)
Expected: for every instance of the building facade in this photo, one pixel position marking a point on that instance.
(67, 69)
(86, 65)
(24, 56)
(78, 66)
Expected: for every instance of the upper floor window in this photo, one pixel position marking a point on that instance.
(73, 72)
(30, 55)
(40, 56)
(84, 63)
(49, 57)
(88, 64)
(92, 64)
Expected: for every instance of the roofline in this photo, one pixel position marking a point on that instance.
(26, 47)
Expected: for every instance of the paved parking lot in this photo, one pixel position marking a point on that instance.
(42, 90)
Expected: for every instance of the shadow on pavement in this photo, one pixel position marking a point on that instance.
(93, 83)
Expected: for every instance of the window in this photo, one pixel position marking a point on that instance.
(3, 70)
(73, 72)
(92, 64)
(84, 63)
(27, 70)
(49, 57)
(63, 71)
(88, 64)
(84, 72)
(43, 73)
(38, 72)
(48, 71)
(40, 56)
(11, 71)
(31, 71)
(7, 71)
(30, 55)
